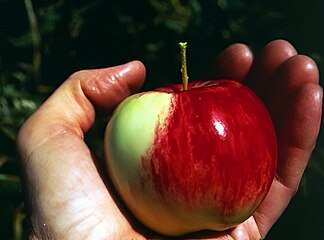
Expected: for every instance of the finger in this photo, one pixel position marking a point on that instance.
(272, 207)
(298, 134)
(73, 104)
(267, 62)
(292, 74)
(232, 63)
(296, 141)
(295, 106)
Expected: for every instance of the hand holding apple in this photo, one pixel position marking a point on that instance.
(82, 204)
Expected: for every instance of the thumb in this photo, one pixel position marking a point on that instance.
(106, 88)
(64, 191)
(72, 106)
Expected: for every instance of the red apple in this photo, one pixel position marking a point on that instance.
(195, 159)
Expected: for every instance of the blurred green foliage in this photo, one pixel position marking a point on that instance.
(43, 41)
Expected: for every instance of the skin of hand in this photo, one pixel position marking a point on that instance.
(68, 195)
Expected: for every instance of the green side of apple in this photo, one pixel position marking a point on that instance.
(130, 132)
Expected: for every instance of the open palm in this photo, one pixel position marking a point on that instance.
(68, 194)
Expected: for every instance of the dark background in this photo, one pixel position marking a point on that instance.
(43, 41)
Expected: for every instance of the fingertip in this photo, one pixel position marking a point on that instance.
(273, 55)
(135, 73)
(293, 73)
(286, 47)
(304, 66)
(107, 87)
(232, 63)
(267, 62)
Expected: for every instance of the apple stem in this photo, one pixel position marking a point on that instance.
(185, 78)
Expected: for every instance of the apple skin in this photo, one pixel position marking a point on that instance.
(185, 161)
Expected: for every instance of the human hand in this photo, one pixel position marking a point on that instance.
(67, 195)
(70, 199)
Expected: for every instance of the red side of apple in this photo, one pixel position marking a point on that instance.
(219, 146)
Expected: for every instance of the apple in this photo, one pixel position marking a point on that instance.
(192, 157)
